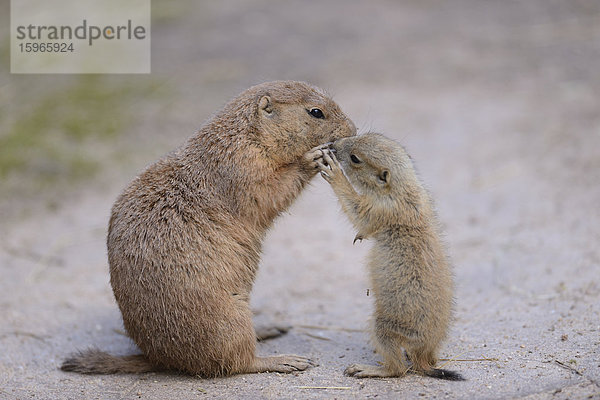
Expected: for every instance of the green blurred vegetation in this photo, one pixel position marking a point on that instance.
(46, 138)
(59, 131)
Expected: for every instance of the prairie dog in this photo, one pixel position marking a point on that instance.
(185, 237)
(375, 182)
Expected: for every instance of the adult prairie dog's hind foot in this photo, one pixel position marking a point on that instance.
(285, 363)
(369, 371)
(270, 332)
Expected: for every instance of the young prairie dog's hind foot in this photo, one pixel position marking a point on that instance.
(285, 363)
(370, 371)
(270, 332)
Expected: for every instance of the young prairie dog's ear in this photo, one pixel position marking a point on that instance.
(384, 176)
(265, 104)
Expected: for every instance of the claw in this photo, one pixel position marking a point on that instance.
(357, 237)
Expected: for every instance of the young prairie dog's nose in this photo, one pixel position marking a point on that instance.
(338, 144)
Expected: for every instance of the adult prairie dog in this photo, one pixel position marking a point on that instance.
(375, 182)
(185, 237)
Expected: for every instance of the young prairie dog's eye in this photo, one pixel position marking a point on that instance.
(355, 159)
(317, 113)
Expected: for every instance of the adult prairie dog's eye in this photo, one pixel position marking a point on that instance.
(354, 159)
(317, 113)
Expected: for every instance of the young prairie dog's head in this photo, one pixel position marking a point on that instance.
(293, 117)
(374, 162)
(381, 168)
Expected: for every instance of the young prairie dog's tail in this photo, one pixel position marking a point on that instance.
(94, 361)
(444, 374)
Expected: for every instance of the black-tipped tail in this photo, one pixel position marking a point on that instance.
(93, 361)
(444, 374)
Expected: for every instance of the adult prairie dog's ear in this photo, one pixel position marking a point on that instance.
(384, 176)
(265, 104)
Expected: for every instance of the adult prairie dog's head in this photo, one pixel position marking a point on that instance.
(380, 168)
(289, 118)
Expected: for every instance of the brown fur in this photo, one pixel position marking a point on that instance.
(410, 273)
(185, 237)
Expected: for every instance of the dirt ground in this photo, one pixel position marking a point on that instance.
(497, 102)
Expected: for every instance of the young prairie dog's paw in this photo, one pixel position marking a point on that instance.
(330, 167)
(313, 155)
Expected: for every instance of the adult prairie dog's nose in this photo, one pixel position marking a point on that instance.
(351, 126)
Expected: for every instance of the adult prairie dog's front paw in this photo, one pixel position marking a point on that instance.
(329, 166)
(312, 156)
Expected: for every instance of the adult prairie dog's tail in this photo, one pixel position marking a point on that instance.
(444, 374)
(94, 361)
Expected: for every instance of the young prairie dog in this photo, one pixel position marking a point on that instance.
(185, 237)
(375, 182)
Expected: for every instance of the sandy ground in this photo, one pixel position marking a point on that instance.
(499, 105)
